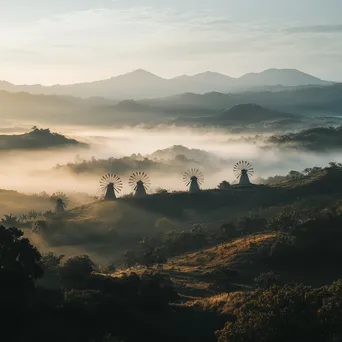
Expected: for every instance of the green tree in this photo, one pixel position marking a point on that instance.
(294, 175)
(224, 185)
(19, 266)
(76, 270)
(10, 221)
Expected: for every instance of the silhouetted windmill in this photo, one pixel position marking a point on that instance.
(60, 202)
(194, 178)
(139, 182)
(111, 184)
(243, 170)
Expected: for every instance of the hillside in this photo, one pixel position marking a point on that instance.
(179, 151)
(195, 265)
(141, 84)
(242, 114)
(307, 100)
(37, 139)
(252, 113)
(276, 77)
(194, 273)
(321, 104)
(16, 203)
(318, 139)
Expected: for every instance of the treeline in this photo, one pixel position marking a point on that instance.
(314, 139)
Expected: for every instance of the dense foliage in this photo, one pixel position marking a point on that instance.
(313, 139)
(287, 314)
(19, 268)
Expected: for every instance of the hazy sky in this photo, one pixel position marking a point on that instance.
(67, 41)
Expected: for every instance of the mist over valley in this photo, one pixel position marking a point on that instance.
(171, 171)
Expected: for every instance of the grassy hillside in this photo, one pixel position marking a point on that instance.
(186, 267)
(203, 273)
(17, 203)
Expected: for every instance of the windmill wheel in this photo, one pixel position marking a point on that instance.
(111, 179)
(139, 177)
(60, 198)
(192, 174)
(243, 166)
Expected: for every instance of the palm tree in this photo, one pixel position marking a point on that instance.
(9, 221)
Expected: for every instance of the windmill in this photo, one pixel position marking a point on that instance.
(194, 178)
(139, 182)
(60, 202)
(243, 170)
(111, 184)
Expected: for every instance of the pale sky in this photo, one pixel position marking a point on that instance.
(68, 41)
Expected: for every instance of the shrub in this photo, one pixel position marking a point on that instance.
(76, 270)
(289, 313)
(161, 191)
(39, 227)
(49, 260)
(267, 279)
(10, 221)
(19, 266)
(224, 185)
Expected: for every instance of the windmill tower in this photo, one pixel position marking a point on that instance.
(139, 182)
(243, 170)
(110, 184)
(60, 202)
(194, 178)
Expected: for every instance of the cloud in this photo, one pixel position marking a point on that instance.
(109, 41)
(315, 29)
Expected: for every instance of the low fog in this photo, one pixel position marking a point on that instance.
(35, 171)
(28, 177)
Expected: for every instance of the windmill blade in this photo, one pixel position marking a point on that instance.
(243, 165)
(59, 196)
(190, 174)
(139, 176)
(146, 186)
(117, 187)
(111, 178)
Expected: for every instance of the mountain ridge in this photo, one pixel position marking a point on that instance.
(140, 84)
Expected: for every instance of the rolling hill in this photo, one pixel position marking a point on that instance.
(318, 139)
(241, 114)
(37, 139)
(322, 101)
(299, 100)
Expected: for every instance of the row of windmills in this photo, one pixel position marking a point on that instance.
(139, 182)
(111, 184)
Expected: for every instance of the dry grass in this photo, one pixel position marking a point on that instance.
(19, 203)
(223, 303)
(194, 273)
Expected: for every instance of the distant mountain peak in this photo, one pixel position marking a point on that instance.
(210, 73)
(141, 73)
(142, 84)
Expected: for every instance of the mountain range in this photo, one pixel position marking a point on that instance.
(141, 84)
(213, 107)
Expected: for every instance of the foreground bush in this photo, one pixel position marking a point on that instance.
(76, 270)
(19, 267)
(288, 314)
